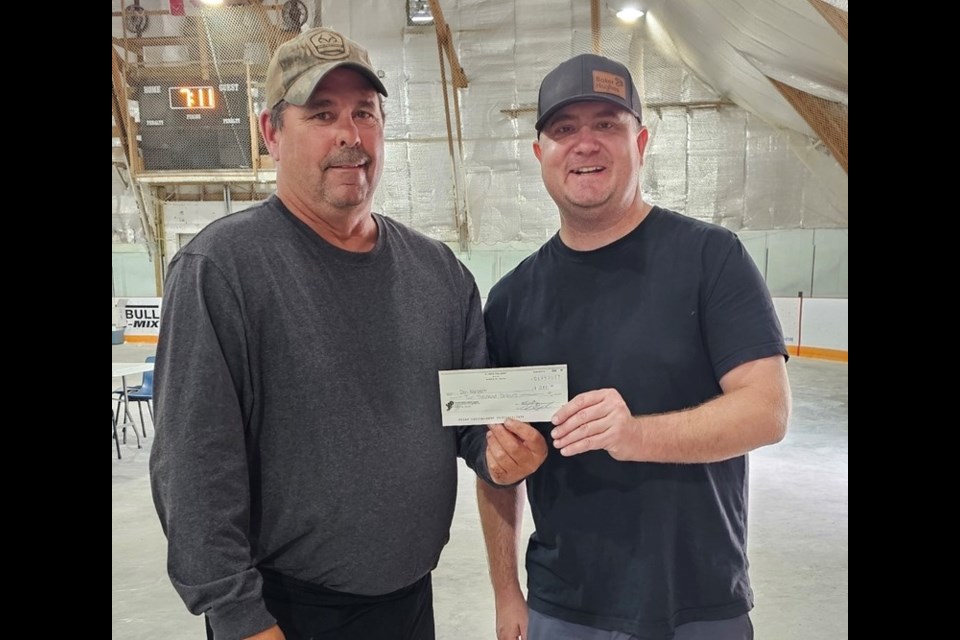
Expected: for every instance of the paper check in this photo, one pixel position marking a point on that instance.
(485, 396)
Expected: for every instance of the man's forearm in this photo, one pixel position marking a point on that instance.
(752, 411)
(501, 511)
(746, 416)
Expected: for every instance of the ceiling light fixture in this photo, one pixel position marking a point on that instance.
(628, 11)
(629, 14)
(419, 13)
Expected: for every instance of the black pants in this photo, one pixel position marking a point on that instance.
(309, 612)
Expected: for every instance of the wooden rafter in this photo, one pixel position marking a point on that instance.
(595, 26)
(119, 110)
(446, 42)
(121, 115)
(836, 17)
(826, 117)
(445, 50)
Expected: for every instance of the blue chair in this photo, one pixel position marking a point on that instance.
(119, 392)
(142, 392)
(116, 438)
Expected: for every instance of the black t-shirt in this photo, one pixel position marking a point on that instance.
(660, 315)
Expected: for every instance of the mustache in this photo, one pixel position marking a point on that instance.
(348, 156)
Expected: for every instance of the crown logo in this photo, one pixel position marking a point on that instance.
(328, 45)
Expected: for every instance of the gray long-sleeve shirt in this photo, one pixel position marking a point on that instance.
(298, 413)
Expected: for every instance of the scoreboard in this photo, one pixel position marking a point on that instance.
(195, 125)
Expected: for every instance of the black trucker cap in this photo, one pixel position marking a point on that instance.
(586, 77)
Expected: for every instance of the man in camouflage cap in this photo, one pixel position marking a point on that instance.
(300, 469)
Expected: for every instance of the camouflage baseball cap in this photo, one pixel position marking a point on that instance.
(299, 64)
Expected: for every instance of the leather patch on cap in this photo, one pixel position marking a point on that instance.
(606, 82)
(327, 45)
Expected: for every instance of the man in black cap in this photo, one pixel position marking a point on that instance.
(676, 366)
(300, 469)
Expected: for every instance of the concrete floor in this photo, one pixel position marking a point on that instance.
(798, 531)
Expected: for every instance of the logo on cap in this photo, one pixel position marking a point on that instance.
(606, 82)
(328, 45)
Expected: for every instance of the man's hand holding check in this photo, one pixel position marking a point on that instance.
(514, 450)
(506, 399)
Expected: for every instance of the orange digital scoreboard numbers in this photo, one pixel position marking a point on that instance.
(193, 98)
